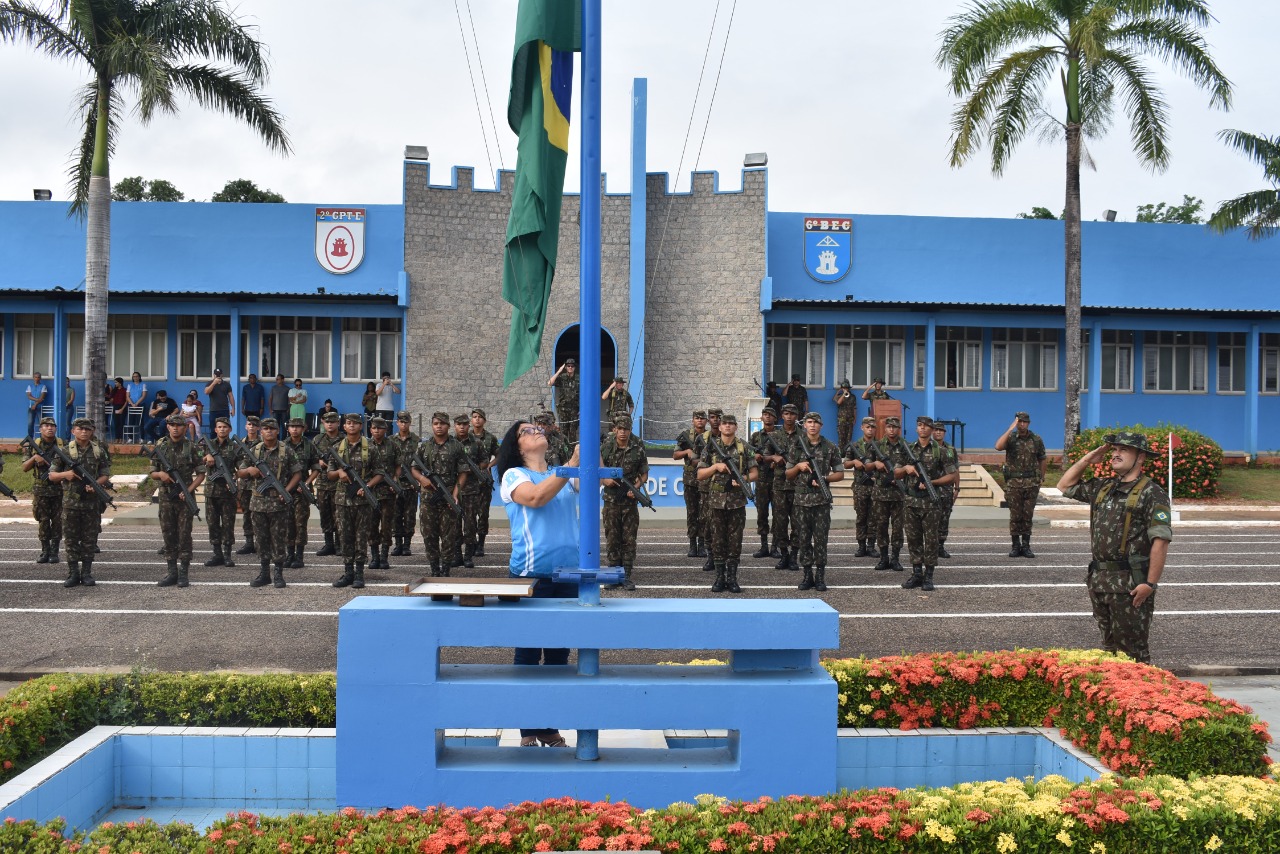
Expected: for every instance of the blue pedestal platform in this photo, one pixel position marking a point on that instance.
(395, 699)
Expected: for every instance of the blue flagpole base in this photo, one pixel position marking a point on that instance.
(589, 581)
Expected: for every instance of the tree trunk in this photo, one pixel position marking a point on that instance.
(97, 271)
(1071, 230)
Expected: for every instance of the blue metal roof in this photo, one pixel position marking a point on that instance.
(1013, 262)
(198, 248)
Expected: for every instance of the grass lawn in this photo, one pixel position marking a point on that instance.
(20, 481)
(1240, 484)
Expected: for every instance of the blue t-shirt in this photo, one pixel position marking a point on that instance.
(137, 391)
(542, 538)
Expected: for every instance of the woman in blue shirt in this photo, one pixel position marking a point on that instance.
(544, 535)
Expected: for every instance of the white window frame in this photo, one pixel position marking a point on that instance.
(29, 334)
(321, 330)
(1196, 349)
(384, 331)
(783, 340)
(1269, 363)
(1014, 340)
(1121, 355)
(890, 341)
(968, 349)
(205, 336)
(156, 328)
(1231, 347)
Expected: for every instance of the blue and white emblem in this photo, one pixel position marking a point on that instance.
(828, 247)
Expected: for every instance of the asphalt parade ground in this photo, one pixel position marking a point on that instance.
(1218, 603)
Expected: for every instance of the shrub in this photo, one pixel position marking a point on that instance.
(1197, 463)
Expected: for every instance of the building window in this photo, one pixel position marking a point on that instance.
(297, 347)
(796, 348)
(957, 357)
(1231, 366)
(370, 345)
(1269, 363)
(1175, 361)
(1024, 359)
(866, 352)
(32, 345)
(135, 342)
(204, 343)
(1117, 360)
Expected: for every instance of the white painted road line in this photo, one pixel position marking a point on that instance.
(167, 612)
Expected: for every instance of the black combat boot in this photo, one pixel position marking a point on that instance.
(785, 562)
(44, 552)
(86, 574)
(731, 577)
(479, 552)
(408, 545)
(928, 579)
(297, 563)
(774, 551)
(357, 581)
(709, 565)
(702, 547)
(374, 563)
(806, 583)
(862, 551)
(435, 569)
(217, 559)
(248, 548)
(53, 551)
(399, 549)
(328, 548)
(277, 576)
(627, 583)
(942, 550)
(348, 576)
(263, 577)
(97, 549)
(693, 547)
(467, 552)
(718, 585)
(820, 579)
(184, 573)
(445, 568)
(1016, 551)
(885, 562)
(73, 574)
(171, 576)
(457, 557)
(1026, 546)
(897, 564)
(763, 551)
(226, 555)
(916, 579)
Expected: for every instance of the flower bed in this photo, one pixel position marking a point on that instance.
(1197, 462)
(1109, 816)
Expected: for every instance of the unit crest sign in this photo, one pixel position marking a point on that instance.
(828, 247)
(340, 238)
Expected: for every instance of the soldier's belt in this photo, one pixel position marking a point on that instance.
(1118, 565)
(1022, 474)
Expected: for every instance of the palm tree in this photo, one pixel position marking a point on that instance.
(1260, 210)
(153, 50)
(1001, 54)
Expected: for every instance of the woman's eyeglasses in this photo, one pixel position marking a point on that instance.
(531, 430)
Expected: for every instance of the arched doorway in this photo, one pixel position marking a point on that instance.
(568, 345)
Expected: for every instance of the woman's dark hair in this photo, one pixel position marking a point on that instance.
(509, 455)
(371, 386)
(297, 381)
(120, 380)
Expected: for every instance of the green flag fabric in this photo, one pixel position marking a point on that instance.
(548, 32)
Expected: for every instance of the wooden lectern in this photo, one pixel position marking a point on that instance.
(882, 409)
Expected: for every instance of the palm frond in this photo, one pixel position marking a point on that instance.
(237, 96)
(1193, 11)
(1259, 210)
(1145, 105)
(81, 166)
(973, 39)
(141, 65)
(44, 32)
(1180, 44)
(192, 28)
(1097, 100)
(1023, 93)
(1262, 150)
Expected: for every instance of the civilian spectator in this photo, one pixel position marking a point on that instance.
(161, 408)
(119, 406)
(193, 412)
(370, 403)
(136, 390)
(280, 400)
(325, 410)
(69, 408)
(36, 393)
(298, 401)
(386, 397)
(222, 403)
(253, 397)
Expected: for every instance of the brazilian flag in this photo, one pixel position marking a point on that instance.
(548, 32)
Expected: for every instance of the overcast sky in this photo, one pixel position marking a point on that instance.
(843, 96)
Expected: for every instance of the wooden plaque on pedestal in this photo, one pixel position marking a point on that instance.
(882, 409)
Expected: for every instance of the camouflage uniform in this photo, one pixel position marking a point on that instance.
(81, 512)
(406, 518)
(558, 449)
(245, 511)
(921, 517)
(1022, 459)
(846, 417)
(326, 497)
(567, 387)
(813, 511)
(886, 517)
(863, 487)
(440, 525)
(176, 517)
(764, 485)
(271, 518)
(876, 395)
(46, 504)
(784, 493)
(796, 395)
(728, 508)
(300, 510)
(382, 523)
(691, 439)
(476, 494)
(621, 515)
(1120, 559)
(353, 510)
(947, 494)
(220, 504)
(618, 402)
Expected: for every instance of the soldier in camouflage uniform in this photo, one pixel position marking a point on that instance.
(1130, 528)
(482, 448)
(178, 452)
(948, 492)
(269, 508)
(846, 414)
(727, 499)
(326, 490)
(567, 383)
(300, 510)
(219, 498)
(921, 515)
(876, 391)
(81, 512)
(621, 513)
(812, 509)
(617, 401)
(784, 490)
(858, 457)
(796, 394)
(382, 523)
(886, 519)
(558, 449)
(251, 438)
(689, 450)
(353, 508)
(46, 504)
(706, 546)
(443, 456)
(405, 442)
(460, 431)
(1024, 467)
(763, 456)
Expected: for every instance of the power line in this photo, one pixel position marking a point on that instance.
(484, 134)
(497, 140)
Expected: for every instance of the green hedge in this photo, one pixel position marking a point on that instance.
(1197, 464)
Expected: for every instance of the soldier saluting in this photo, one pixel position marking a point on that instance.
(1024, 467)
(175, 454)
(566, 383)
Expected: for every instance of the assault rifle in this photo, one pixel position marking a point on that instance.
(222, 471)
(819, 480)
(77, 469)
(914, 459)
(873, 455)
(269, 479)
(6, 491)
(637, 492)
(734, 471)
(482, 475)
(435, 482)
(175, 479)
(356, 480)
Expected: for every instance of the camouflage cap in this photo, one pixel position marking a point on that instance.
(619, 379)
(403, 415)
(699, 413)
(1022, 416)
(222, 419)
(938, 425)
(544, 418)
(729, 418)
(572, 363)
(268, 424)
(795, 378)
(354, 416)
(378, 421)
(298, 422)
(252, 419)
(623, 421)
(1129, 439)
(475, 410)
(868, 420)
(461, 419)
(715, 411)
(49, 421)
(83, 422)
(893, 421)
(845, 384)
(790, 408)
(813, 416)
(924, 419)
(769, 410)
(878, 381)
(440, 416)
(330, 417)
(175, 420)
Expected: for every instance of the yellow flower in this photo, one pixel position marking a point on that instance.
(940, 832)
(1068, 822)
(1246, 812)
(1098, 848)
(842, 698)
(887, 689)
(866, 709)
(1005, 844)
(1213, 844)
(1064, 838)
(1180, 811)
